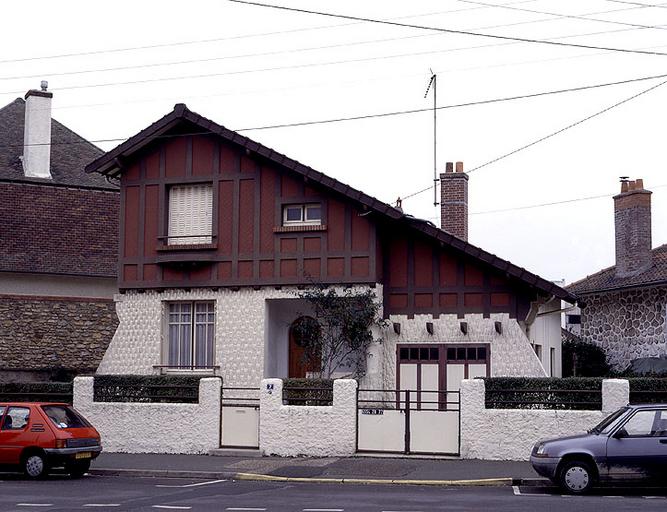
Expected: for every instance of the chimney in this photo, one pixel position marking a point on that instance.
(37, 133)
(454, 201)
(632, 218)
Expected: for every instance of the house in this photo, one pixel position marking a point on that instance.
(624, 307)
(219, 233)
(58, 246)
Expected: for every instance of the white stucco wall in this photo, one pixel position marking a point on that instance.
(509, 434)
(545, 331)
(156, 427)
(511, 353)
(316, 431)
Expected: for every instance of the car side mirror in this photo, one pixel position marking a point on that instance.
(621, 433)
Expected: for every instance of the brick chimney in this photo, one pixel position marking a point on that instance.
(37, 133)
(632, 217)
(454, 201)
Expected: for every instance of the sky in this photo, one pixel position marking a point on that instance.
(248, 67)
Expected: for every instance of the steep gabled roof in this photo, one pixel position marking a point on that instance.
(69, 152)
(111, 164)
(606, 279)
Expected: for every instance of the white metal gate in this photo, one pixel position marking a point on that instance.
(239, 417)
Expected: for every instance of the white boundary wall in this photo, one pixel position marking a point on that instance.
(316, 431)
(130, 427)
(509, 434)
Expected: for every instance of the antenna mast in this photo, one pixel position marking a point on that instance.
(434, 82)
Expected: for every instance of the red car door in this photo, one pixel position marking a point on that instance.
(13, 433)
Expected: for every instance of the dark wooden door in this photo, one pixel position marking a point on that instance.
(298, 364)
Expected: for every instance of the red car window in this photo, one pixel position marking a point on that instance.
(16, 418)
(64, 417)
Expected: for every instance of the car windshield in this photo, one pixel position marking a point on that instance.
(604, 426)
(65, 417)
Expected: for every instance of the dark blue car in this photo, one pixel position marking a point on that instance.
(629, 444)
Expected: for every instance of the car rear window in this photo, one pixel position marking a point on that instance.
(65, 417)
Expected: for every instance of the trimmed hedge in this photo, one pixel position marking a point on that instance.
(648, 390)
(146, 388)
(571, 393)
(36, 392)
(308, 392)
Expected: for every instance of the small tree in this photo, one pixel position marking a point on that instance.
(342, 334)
(583, 359)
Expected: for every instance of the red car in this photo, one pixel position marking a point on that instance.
(39, 436)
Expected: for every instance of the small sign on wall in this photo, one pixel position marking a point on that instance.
(269, 389)
(373, 412)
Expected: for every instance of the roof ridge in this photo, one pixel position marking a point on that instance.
(20, 100)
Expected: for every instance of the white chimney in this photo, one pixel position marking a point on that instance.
(37, 133)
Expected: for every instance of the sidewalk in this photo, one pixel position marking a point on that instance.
(357, 469)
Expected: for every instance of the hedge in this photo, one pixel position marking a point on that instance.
(36, 392)
(308, 392)
(648, 390)
(571, 393)
(146, 388)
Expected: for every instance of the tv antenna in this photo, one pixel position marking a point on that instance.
(433, 83)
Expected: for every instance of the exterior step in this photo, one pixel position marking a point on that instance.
(235, 452)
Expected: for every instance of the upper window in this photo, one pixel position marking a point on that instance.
(302, 215)
(573, 319)
(190, 214)
(191, 334)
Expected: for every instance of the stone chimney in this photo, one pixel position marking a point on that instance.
(37, 133)
(632, 218)
(454, 201)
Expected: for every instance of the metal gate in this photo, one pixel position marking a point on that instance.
(239, 417)
(408, 421)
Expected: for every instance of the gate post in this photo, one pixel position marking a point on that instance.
(406, 449)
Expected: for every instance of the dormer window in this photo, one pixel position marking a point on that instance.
(302, 215)
(190, 214)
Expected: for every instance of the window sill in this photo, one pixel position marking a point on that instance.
(298, 228)
(186, 247)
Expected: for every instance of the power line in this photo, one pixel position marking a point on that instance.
(541, 139)
(447, 30)
(553, 17)
(401, 112)
(220, 39)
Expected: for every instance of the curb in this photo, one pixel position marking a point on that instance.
(219, 475)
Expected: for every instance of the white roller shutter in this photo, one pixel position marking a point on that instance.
(190, 214)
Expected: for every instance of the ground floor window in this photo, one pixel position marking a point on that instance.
(191, 335)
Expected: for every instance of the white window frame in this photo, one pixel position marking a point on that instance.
(303, 221)
(173, 359)
(190, 220)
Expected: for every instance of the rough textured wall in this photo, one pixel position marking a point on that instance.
(627, 324)
(315, 431)
(511, 353)
(154, 428)
(38, 333)
(509, 434)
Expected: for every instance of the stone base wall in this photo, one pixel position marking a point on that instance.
(49, 333)
(627, 324)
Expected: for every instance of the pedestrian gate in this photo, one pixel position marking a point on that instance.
(408, 421)
(239, 417)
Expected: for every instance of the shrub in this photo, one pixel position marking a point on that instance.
(308, 391)
(543, 393)
(583, 359)
(146, 388)
(36, 392)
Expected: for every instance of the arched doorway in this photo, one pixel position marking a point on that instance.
(300, 360)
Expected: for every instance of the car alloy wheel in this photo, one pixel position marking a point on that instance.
(577, 477)
(34, 466)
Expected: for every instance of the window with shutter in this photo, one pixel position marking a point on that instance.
(190, 214)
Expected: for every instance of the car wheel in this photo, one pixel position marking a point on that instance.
(34, 465)
(576, 477)
(78, 469)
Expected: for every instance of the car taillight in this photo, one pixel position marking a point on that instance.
(61, 443)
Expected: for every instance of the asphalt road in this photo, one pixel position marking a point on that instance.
(151, 494)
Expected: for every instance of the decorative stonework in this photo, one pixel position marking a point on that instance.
(627, 324)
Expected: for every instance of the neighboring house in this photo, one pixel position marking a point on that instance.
(219, 234)
(58, 246)
(624, 307)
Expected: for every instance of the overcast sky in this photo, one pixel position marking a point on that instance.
(248, 67)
